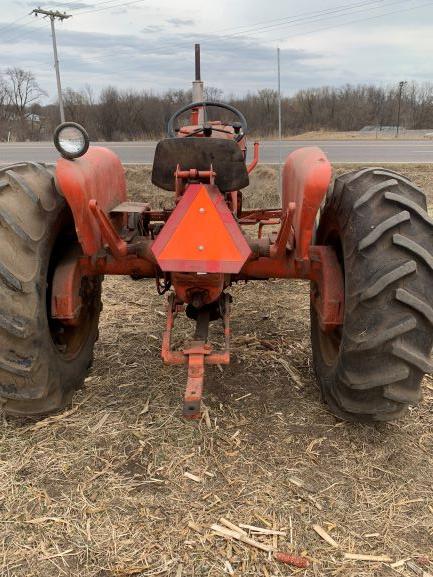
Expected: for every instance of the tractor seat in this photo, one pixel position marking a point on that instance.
(224, 155)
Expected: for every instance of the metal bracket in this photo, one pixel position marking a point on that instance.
(66, 301)
(118, 246)
(198, 354)
(328, 288)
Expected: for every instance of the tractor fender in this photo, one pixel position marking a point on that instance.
(306, 177)
(98, 175)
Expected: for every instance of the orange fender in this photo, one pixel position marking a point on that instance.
(98, 175)
(306, 178)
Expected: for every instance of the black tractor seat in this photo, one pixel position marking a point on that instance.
(224, 155)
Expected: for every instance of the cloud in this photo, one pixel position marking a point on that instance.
(234, 64)
(180, 22)
(152, 28)
(119, 11)
(161, 55)
(62, 5)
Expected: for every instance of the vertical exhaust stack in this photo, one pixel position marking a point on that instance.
(197, 85)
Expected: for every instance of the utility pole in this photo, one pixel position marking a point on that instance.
(400, 90)
(197, 85)
(279, 120)
(52, 15)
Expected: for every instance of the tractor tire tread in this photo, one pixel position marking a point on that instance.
(383, 227)
(414, 208)
(415, 248)
(416, 303)
(387, 337)
(387, 279)
(33, 377)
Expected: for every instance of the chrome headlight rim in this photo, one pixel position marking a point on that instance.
(71, 155)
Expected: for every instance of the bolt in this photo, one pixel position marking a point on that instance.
(201, 210)
(200, 247)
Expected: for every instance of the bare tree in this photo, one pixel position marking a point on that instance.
(4, 99)
(213, 94)
(119, 114)
(23, 90)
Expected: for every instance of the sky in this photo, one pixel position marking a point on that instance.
(149, 44)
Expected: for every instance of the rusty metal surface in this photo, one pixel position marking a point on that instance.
(190, 286)
(194, 386)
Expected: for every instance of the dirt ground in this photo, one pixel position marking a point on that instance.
(100, 490)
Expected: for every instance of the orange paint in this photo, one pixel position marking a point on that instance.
(201, 235)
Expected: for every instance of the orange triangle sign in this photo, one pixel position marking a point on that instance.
(201, 235)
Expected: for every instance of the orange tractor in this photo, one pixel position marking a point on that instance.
(364, 243)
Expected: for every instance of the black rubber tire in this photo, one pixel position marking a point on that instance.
(41, 362)
(372, 367)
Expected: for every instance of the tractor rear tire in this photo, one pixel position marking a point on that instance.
(41, 361)
(371, 368)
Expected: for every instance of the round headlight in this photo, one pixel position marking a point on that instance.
(71, 140)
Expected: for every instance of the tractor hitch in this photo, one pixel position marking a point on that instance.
(198, 352)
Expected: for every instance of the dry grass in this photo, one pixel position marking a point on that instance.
(262, 190)
(262, 187)
(100, 490)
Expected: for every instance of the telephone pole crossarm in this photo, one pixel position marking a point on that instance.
(51, 13)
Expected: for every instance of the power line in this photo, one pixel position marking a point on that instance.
(20, 28)
(291, 23)
(30, 29)
(76, 11)
(322, 14)
(305, 33)
(108, 7)
(17, 34)
(301, 14)
(11, 24)
(179, 45)
(362, 19)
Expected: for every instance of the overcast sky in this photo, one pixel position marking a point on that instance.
(148, 44)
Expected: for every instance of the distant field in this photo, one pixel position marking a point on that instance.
(356, 135)
(262, 190)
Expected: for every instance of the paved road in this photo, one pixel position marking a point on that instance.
(414, 151)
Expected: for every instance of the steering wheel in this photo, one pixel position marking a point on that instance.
(241, 125)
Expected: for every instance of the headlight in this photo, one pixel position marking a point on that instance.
(71, 140)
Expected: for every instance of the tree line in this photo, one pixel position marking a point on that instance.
(117, 114)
